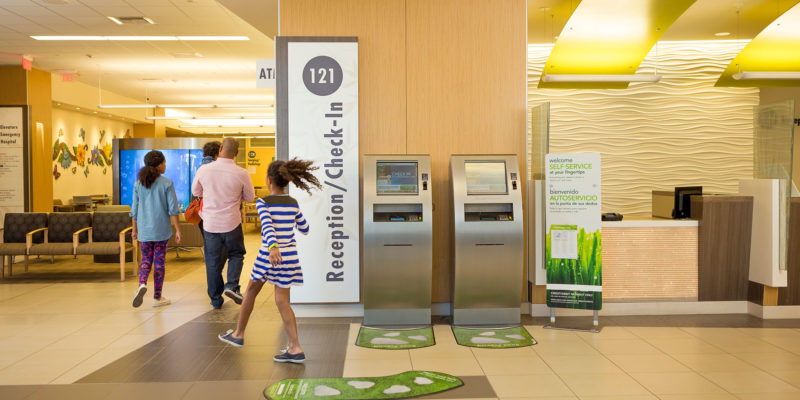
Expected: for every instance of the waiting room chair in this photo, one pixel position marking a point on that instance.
(110, 234)
(191, 236)
(20, 231)
(59, 206)
(61, 237)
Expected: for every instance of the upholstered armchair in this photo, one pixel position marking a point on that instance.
(110, 234)
(61, 238)
(20, 231)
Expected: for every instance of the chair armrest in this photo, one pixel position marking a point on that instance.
(29, 237)
(122, 235)
(76, 236)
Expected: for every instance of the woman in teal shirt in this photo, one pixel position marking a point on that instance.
(154, 206)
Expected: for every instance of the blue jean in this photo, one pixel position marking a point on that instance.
(233, 241)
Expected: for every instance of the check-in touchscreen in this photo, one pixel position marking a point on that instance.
(397, 177)
(486, 177)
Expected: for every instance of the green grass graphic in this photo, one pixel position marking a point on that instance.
(494, 338)
(413, 338)
(586, 270)
(400, 386)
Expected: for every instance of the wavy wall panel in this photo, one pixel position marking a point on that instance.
(682, 131)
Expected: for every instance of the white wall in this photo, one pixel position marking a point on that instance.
(682, 131)
(66, 129)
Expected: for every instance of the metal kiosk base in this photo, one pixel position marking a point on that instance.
(486, 316)
(398, 317)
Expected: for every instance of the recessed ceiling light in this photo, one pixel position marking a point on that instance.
(722, 34)
(95, 112)
(77, 108)
(115, 20)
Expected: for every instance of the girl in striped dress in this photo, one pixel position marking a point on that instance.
(277, 261)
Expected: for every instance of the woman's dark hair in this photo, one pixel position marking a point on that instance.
(149, 173)
(294, 171)
(211, 149)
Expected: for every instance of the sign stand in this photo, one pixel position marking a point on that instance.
(594, 329)
(573, 238)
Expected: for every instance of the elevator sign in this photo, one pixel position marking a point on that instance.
(265, 74)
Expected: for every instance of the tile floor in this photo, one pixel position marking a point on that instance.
(83, 340)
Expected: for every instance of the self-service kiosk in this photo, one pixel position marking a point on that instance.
(487, 240)
(398, 253)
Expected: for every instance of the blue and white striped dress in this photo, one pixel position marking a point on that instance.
(279, 216)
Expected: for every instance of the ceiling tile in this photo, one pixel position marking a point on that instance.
(160, 11)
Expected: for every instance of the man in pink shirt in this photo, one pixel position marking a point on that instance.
(223, 186)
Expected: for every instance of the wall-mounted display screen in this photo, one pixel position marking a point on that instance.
(181, 166)
(486, 177)
(397, 177)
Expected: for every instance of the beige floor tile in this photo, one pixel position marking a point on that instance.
(677, 383)
(624, 346)
(788, 343)
(621, 397)
(770, 332)
(767, 396)
(357, 368)
(634, 363)
(504, 353)
(363, 353)
(705, 396)
(76, 373)
(538, 398)
(529, 386)
(751, 382)
(595, 364)
(84, 341)
(31, 374)
(790, 377)
(565, 347)
(606, 384)
(609, 332)
(690, 345)
(784, 361)
(442, 351)
(714, 363)
(513, 365)
(452, 366)
(659, 332)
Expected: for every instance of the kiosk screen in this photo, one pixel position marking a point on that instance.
(397, 177)
(486, 177)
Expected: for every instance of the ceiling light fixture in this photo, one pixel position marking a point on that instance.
(722, 34)
(234, 106)
(218, 125)
(141, 38)
(767, 75)
(114, 20)
(599, 78)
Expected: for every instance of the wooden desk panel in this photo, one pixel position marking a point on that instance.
(724, 246)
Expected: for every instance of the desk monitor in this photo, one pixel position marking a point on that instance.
(683, 201)
(486, 177)
(396, 177)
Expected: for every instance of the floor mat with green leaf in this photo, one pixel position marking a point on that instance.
(395, 339)
(494, 338)
(400, 386)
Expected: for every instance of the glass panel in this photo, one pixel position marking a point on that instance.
(538, 146)
(486, 177)
(396, 177)
(538, 140)
(773, 137)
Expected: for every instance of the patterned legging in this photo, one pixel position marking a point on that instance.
(153, 253)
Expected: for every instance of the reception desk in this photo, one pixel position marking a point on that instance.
(650, 260)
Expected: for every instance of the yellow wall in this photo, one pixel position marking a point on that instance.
(39, 98)
(438, 77)
(67, 127)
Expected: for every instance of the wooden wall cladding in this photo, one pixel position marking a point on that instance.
(466, 95)
(435, 77)
(724, 246)
(658, 263)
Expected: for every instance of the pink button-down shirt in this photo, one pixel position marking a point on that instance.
(223, 185)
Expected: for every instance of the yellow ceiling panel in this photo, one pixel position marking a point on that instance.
(610, 37)
(775, 49)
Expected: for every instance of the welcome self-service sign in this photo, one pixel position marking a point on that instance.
(317, 110)
(573, 250)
